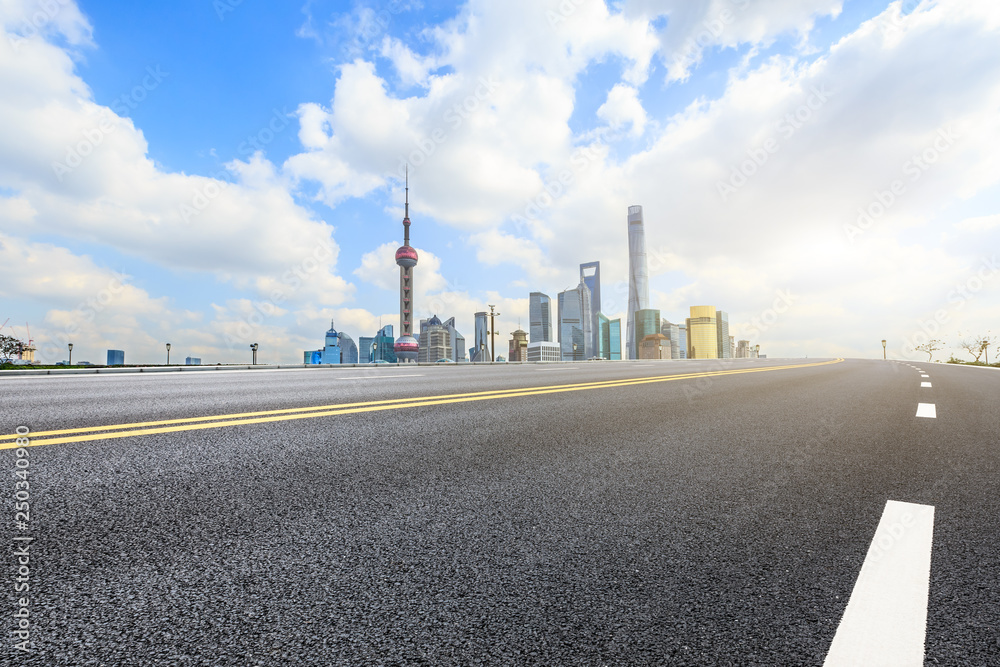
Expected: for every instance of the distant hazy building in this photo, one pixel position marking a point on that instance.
(723, 349)
(192, 361)
(116, 357)
(575, 339)
(590, 275)
(732, 347)
(673, 333)
(540, 318)
(647, 322)
(615, 339)
(702, 333)
(480, 350)
(743, 349)
(348, 350)
(682, 331)
(638, 276)
(518, 346)
(544, 351)
(435, 340)
(655, 346)
(609, 339)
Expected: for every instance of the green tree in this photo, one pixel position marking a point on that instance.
(10, 347)
(930, 347)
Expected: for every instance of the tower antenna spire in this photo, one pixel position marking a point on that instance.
(407, 212)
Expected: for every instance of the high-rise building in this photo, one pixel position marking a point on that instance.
(116, 357)
(743, 349)
(544, 351)
(378, 347)
(481, 345)
(348, 349)
(615, 339)
(723, 349)
(435, 341)
(590, 275)
(331, 348)
(673, 333)
(647, 322)
(407, 348)
(702, 333)
(732, 347)
(575, 339)
(517, 349)
(683, 338)
(540, 318)
(638, 276)
(603, 349)
(192, 361)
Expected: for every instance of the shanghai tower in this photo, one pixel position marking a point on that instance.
(406, 346)
(638, 275)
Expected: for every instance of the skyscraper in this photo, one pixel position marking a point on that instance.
(540, 318)
(724, 348)
(683, 338)
(481, 345)
(672, 332)
(638, 275)
(575, 339)
(647, 323)
(348, 349)
(615, 339)
(407, 348)
(590, 275)
(702, 333)
(603, 349)
(331, 347)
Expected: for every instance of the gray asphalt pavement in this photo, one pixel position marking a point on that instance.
(713, 520)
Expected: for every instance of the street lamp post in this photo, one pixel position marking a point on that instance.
(70, 346)
(756, 352)
(883, 349)
(253, 347)
(168, 354)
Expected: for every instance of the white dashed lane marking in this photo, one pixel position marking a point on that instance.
(928, 410)
(885, 622)
(925, 384)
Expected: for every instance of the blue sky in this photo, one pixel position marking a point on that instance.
(241, 177)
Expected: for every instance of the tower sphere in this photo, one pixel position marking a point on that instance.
(406, 256)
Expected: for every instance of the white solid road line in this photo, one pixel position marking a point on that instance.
(885, 622)
(925, 384)
(928, 410)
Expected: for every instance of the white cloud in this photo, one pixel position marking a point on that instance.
(624, 108)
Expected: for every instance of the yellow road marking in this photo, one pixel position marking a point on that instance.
(87, 434)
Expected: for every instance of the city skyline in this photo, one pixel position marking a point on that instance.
(154, 194)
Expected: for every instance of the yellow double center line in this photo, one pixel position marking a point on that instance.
(88, 434)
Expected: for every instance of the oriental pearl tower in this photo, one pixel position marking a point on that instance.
(406, 346)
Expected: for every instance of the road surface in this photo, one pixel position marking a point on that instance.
(678, 513)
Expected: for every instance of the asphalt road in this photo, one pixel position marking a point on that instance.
(705, 520)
